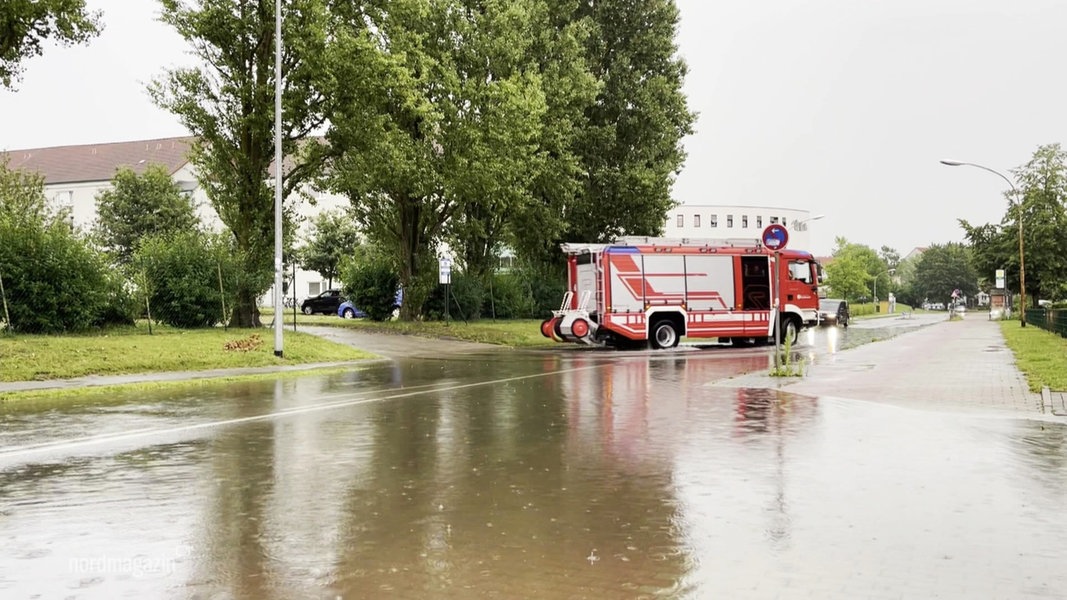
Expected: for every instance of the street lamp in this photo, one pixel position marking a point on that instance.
(797, 224)
(1019, 222)
(278, 306)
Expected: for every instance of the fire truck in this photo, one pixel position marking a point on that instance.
(641, 290)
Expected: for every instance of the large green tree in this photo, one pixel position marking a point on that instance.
(943, 269)
(436, 123)
(630, 143)
(25, 26)
(141, 205)
(228, 104)
(333, 237)
(1042, 188)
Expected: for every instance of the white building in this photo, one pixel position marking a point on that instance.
(722, 221)
(74, 175)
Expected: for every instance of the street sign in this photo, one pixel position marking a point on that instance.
(444, 270)
(1000, 279)
(775, 236)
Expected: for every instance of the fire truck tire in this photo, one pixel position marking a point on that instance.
(790, 332)
(664, 335)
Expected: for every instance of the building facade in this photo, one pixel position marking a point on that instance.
(727, 221)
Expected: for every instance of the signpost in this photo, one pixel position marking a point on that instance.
(776, 237)
(444, 277)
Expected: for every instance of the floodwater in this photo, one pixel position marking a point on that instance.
(528, 475)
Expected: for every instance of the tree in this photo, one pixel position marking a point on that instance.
(631, 141)
(847, 277)
(333, 237)
(875, 269)
(943, 269)
(434, 121)
(1043, 184)
(228, 104)
(140, 206)
(26, 24)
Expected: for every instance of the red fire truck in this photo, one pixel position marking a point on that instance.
(642, 290)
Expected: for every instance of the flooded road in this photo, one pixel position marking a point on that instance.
(562, 474)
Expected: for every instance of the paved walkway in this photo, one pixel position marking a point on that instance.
(951, 365)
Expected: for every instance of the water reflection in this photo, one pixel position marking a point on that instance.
(562, 475)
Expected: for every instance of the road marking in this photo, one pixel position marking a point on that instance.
(60, 445)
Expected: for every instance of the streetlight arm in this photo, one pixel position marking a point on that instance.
(956, 163)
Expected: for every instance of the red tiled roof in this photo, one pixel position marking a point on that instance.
(98, 162)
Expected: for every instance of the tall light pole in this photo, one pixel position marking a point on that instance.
(278, 306)
(798, 225)
(1018, 220)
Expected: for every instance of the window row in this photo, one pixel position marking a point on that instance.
(713, 221)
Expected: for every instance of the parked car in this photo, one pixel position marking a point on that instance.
(833, 312)
(326, 303)
(347, 310)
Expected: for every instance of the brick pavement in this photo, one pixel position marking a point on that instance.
(950, 365)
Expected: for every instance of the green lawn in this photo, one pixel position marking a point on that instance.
(133, 350)
(1040, 354)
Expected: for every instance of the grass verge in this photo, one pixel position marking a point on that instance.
(523, 333)
(132, 350)
(1041, 355)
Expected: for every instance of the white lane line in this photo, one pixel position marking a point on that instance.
(22, 451)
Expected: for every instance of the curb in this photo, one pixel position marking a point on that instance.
(1054, 402)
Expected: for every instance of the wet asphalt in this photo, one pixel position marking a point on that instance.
(910, 461)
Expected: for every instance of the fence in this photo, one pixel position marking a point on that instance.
(1049, 319)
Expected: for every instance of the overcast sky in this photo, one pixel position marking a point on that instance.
(840, 107)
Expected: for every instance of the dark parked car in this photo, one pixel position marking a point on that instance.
(833, 312)
(326, 303)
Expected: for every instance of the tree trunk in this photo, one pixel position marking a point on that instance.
(246, 310)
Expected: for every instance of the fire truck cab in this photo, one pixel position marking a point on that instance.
(641, 290)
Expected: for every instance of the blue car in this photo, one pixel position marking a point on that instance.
(347, 310)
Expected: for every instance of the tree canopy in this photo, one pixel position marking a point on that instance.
(25, 26)
(139, 206)
(333, 237)
(228, 104)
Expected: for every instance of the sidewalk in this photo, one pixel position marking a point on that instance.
(951, 365)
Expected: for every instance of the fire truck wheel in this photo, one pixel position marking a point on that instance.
(664, 335)
(790, 332)
(546, 327)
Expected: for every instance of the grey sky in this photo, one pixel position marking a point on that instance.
(841, 107)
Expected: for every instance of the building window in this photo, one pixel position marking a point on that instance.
(713, 221)
(729, 220)
(744, 221)
(759, 221)
(696, 220)
(784, 220)
(681, 221)
(774, 220)
(314, 288)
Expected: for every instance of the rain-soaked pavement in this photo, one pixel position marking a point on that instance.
(548, 474)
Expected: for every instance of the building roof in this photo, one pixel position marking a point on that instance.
(98, 162)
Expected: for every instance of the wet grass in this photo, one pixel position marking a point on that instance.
(133, 350)
(1041, 355)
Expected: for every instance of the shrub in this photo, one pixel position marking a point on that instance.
(56, 282)
(180, 273)
(371, 283)
(509, 298)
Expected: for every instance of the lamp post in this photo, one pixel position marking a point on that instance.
(797, 224)
(278, 179)
(1019, 221)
